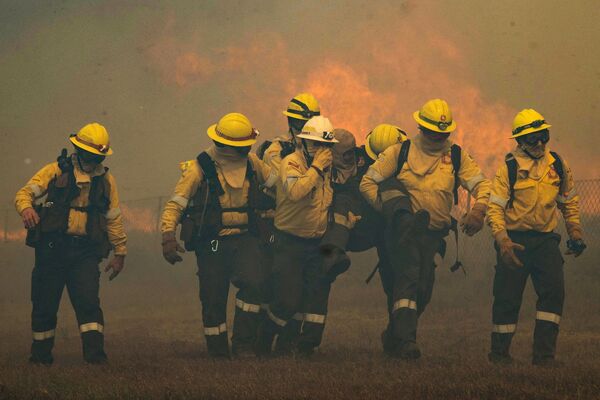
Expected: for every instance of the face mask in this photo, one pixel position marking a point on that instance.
(88, 161)
(295, 125)
(535, 151)
(243, 151)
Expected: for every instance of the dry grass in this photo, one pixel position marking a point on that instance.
(156, 348)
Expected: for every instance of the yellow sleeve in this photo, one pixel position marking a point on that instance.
(267, 176)
(568, 204)
(272, 155)
(36, 187)
(297, 183)
(472, 179)
(184, 190)
(114, 220)
(383, 168)
(499, 196)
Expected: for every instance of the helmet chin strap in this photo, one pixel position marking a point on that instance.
(309, 158)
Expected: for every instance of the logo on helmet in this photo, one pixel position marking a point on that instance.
(328, 135)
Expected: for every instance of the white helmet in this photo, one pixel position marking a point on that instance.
(319, 129)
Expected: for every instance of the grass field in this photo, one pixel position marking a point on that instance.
(156, 348)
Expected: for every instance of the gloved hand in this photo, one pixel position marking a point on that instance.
(575, 247)
(116, 264)
(323, 159)
(30, 218)
(353, 219)
(170, 247)
(507, 252)
(472, 222)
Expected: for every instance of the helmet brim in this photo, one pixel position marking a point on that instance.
(369, 150)
(451, 128)
(85, 147)
(531, 130)
(316, 138)
(212, 133)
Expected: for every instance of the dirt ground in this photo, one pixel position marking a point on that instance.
(156, 348)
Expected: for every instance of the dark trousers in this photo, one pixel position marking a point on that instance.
(408, 279)
(544, 263)
(60, 261)
(237, 260)
(299, 288)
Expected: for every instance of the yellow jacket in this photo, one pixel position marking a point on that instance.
(37, 186)
(537, 196)
(303, 198)
(431, 190)
(189, 183)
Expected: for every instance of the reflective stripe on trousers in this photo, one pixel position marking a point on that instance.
(504, 328)
(247, 307)
(44, 335)
(215, 330)
(405, 303)
(548, 316)
(91, 326)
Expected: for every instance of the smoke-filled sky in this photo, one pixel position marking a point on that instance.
(158, 73)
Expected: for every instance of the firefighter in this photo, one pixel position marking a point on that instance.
(528, 188)
(356, 225)
(72, 229)
(304, 197)
(300, 109)
(429, 174)
(217, 200)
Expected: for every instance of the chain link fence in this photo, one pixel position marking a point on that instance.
(142, 217)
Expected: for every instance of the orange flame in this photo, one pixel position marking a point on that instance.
(379, 79)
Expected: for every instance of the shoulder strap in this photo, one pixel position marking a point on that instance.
(287, 148)
(210, 173)
(558, 167)
(455, 157)
(511, 165)
(260, 152)
(403, 156)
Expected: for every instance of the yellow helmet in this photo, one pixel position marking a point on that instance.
(303, 106)
(528, 121)
(93, 138)
(382, 137)
(435, 115)
(234, 129)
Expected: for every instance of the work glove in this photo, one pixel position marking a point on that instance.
(30, 218)
(170, 248)
(575, 247)
(323, 159)
(116, 264)
(352, 219)
(472, 222)
(507, 252)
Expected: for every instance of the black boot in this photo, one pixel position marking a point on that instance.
(265, 336)
(390, 344)
(408, 351)
(287, 339)
(93, 347)
(218, 345)
(41, 352)
(500, 348)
